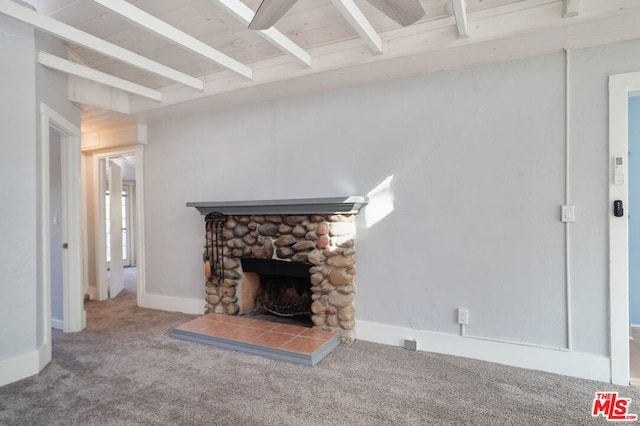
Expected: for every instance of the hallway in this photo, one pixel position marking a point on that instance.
(131, 279)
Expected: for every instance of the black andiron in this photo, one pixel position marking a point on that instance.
(214, 259)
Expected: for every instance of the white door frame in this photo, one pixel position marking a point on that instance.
(73, 309)
(100, 227)
(620, 86)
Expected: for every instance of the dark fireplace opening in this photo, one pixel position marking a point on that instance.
(284, 294)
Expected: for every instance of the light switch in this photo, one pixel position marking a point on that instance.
(568, 213)
(618, 171)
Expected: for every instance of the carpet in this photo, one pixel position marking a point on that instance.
(124, 369)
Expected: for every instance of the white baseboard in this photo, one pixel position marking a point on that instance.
(58, 324)
(44, 355)
(20, 367)
(92, 291)
(172, 304)
(576, 364)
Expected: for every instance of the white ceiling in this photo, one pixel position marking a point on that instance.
(497, 30)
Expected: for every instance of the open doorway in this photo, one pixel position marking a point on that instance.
(118, 208)
(119, 214)
(60, 283)
(621, 87)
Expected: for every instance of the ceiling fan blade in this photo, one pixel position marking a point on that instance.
(269, 12)
(404, 12)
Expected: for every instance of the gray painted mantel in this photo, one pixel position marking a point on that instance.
(327, 205)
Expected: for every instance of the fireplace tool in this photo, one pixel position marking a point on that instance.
(214, 259)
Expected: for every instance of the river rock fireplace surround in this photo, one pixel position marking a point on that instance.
(319, 233)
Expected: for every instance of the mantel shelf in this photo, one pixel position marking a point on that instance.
(329, 205)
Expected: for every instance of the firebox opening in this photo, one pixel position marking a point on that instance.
(284, 293)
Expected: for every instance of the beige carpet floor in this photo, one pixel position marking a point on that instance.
(125, 369)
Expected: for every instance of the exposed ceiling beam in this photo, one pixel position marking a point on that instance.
(81, 38)
(142, 19)
(422, 48)
(404, 12)
(570, 8)
(460, 13)
(359, 22)
(244, 14)
(69, 67)
(268, 13)
(88, 93)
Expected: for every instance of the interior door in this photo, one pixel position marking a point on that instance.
(116, 275)
(127, 246)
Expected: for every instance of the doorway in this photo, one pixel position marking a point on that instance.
(64, 227)
(119, 228)
(127, 212)
(621, 86)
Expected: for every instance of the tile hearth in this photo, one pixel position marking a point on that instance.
(273, 340)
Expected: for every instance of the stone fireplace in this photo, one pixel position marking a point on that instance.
(313, 235)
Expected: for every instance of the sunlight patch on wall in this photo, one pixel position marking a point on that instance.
(380, 203)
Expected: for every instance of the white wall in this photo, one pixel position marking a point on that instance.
(18, 174)
(55, 217)
(92, 217)
(478, 161)
(590, 135)
(23, 85)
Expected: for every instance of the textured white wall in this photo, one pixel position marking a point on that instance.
(18, 206)
(23, 86)
(55, 216)
(590, 135)
(92, 216)
(477, 160)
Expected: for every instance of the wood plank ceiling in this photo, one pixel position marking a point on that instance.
(201, 56)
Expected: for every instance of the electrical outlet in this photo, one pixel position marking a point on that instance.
(463, 316)
(411, 345)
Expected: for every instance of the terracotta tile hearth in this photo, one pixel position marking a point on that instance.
(279, 341)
